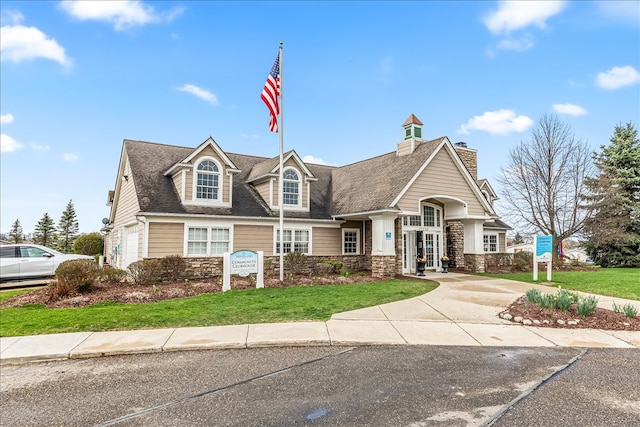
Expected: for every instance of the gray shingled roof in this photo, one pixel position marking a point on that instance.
(156, 193)
(373, 184)
(369, 185)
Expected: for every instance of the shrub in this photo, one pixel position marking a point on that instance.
(564, 299)
(630, 311)
(112, 275)
(522, 261)
(89, 244)
(548, 301)
(145, 272)
(295, 262)
(323, 269)
(173, 267)
(533, 295)
(77, 275)
(335, 264)
(587, 305)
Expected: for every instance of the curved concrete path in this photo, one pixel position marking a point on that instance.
(463, 311)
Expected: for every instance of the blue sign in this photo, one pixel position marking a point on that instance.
(244, 263)
(544, 248)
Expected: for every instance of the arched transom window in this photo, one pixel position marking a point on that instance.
(208, 179)
(290, 187)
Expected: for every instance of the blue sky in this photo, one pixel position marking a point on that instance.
(79, 77)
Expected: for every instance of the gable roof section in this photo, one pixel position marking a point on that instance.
(269, 167)
(157, 195)
(445, 144)
(209, 142)
(373, 184)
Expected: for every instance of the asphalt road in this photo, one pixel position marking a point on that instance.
(330, 386)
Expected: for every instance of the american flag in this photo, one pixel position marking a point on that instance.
(270, 95)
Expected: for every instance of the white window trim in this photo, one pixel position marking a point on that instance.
(293, 230)
(300, 180)
(357, 231)
(489, 243)
(187, 226)
(194, 184)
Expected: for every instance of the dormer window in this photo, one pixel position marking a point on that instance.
(290, 188)
(208, 180)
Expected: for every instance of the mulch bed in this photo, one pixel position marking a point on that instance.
(599, 319)
(136, 294)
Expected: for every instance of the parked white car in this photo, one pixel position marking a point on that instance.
(26, 261)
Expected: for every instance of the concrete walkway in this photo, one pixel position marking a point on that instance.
(462, 311)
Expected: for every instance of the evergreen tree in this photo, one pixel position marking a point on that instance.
(517, 239)
(67, 229)
(15, 234)
(45, 232)
(613, 230)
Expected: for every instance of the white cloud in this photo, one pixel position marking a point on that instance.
(200, 93)
(515, 15)
(11, 17)
(36, 147)
(6, 119)
(315, 160)
(500, 122)
(8, 144)
(123, 14)
(570, 109)
(69, 157)
(618, 77)
(520, 45)
(19, 43)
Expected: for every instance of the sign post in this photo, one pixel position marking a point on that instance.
(543, 246)
(243, 263)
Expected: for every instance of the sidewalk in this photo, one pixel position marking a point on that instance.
(462, 311)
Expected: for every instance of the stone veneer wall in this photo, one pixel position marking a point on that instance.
(455, 243)
(207, 267)
(398, 246)
(470, 159)
(474, 263)
(383, 266)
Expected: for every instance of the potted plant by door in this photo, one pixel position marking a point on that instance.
(420, 265)
(444, 261)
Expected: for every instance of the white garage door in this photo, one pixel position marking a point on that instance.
(131, 246)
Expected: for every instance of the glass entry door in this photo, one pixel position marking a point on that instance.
(428, 247)
(410, 251)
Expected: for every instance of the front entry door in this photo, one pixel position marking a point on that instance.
(428, 248)
(410, 251)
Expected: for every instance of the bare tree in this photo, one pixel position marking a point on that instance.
(544, 179)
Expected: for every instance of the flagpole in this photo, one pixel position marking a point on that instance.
(281, 177)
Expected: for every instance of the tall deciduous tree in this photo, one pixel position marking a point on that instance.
(45, 232)
(15, 234)
(613, 231)
(67, 229)
(544, 178)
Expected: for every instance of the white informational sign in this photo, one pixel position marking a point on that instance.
(243, 263)
(543, 247)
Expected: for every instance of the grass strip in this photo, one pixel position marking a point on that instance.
(615, 282)
(296, 303)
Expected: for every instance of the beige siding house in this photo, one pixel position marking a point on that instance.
(390, 214)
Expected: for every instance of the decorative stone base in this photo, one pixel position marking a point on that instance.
(383, 266)
(474, 263)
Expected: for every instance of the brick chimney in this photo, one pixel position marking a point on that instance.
(469, 157)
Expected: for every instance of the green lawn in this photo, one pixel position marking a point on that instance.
(615, 282)
(298, 303)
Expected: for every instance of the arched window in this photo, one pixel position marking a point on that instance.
(207, 175)
(290, 187)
